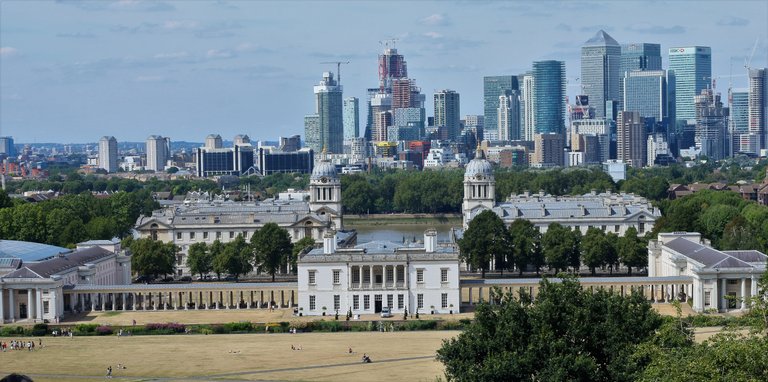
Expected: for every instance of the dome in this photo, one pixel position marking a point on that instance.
(324, 170)
(478, 166)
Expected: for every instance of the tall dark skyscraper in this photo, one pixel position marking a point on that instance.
(493, 88)
(549, 97)
(601, 71)
(640, 56)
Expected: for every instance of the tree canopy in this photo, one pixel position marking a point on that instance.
(272, 247)
(486, 238)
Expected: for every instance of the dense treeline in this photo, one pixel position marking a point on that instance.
(70, 219)
(569, 333)
(522, 247)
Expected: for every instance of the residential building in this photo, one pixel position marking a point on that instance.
(601, 71)
(549, 97)
(158, 152)
(7, 148)
(632, 139)
(329, 109)
(721, 280)
(711, 132)
(313, 137)
(214, 141)
(508, 116)
(758, 107)
(351, 118)
(527, 108)
(548, 150)
(493, 88)
(371, 276)
(738, 121)
(108, 154)
(448, 112)
(691, 70)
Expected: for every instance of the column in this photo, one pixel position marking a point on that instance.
(370, 278)
(282, 298)
(30, 313)
(53, 306)
(103, 298)
(39, 305)
(743, 293)
(724, 302)
(394, 276)
(11, 306)
(753, 286)
(714, 297)
(2, 311)
(134, 300)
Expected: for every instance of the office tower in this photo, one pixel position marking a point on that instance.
(632, 143)
(351, 117)
(508, 116)
(158, 152)
(237, 160)
(272, 161)
(527, 107)
(312, 134)
(447, 113)
(549, 96)
(639, 56)
(549, 150)
(710, 135)
(601, 71)
(289, 144)
(213, 141)
(738, 121)
(646, 92)
(6, 147)
(691, 70)
(758, 107)
(493, 88)
(329, 109)
(108, 153)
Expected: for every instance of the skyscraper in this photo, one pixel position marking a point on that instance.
(329, 109)
(493, 88)
(758, 106)
(738, 121)
(508, 116)
(632, 143)
(158, 152)
(640, 56)
(448, 113)
(108, 154)
(601, 71)
(691, 70)
(646, 93)
(527, 107)
(6, 147)
(549, 97)
(351, 118)
(312, 135)
(213, 141)
(710, 135)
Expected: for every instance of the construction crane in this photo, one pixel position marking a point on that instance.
(338, 68)
(388, 42)
(748, 61)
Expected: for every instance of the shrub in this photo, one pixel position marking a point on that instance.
(419, 325)
(103, 330)
(243, 327)
(329, 326)
(86, 328)
(166, 328)
(8, 331)
(40, 330)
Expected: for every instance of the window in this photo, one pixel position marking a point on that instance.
(603, 228)
(420, 301)
(245, 234)
(420, 275)
(366, 275)
(218, 235)
(191, 236)
(178, 235)
(616, 228)
(444, 300)
(356, 276)
(390, 274)
(366, 302)
(311, 277)
(707, 297)
(45, 307)
(444, 275)
(231, 234)
(336, 302)
(311, 302)
(390, 300)
(355, 302)
(733, 282)
(640, 227)
(400, 301)
(337, 276)
(205, 235)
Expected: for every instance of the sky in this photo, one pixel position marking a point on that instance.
(73, 71)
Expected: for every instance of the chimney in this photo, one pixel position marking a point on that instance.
(430, 240)
(329, 242)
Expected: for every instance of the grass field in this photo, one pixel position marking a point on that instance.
(400, 356)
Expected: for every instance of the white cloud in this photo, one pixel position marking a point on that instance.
(436, 19)
(8, 51)
(433, 34)
(217, 53)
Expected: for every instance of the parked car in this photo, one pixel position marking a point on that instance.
(386, 312)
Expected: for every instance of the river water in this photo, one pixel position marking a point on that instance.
(400, 232)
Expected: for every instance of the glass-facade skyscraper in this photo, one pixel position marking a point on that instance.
(448, 113)
(549, 96)
(638, 56)
(691, 70)
(646, 92)
(329, 109)
(351, 118)
(601, 71)
(493, 88)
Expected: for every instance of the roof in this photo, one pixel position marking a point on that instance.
(28, 251)
(601, 38)
(588, 206)
(60, 264)
(712, 258)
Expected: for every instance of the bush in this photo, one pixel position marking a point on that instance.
(166, 328)
(329, 326)
(103, 331)
(242, 327)
(8, 331)
(40, 330)
(419, 325)
(85, 328)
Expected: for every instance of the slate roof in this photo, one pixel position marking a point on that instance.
(59, 264)
(712, 258)
(588, 206)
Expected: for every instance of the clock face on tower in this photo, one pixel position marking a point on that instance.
(479, 176)
(323, 180)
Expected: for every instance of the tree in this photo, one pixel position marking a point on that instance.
(486, 238)
(632, 250)
(612, 253)
(526, 245)
(560, 246)
(272, 246)
(199, 259)
(216, 251)
(152, 257)
(299, 246)
(594, 247)
(566, 334)
(236, 258)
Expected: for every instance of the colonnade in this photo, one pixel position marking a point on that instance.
(392, 276)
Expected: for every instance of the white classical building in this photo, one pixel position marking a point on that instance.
(205, 219)
(33, 277)
(722, 280)
(607, 211)
(379, 274)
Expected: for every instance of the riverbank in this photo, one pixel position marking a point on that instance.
(401, 219)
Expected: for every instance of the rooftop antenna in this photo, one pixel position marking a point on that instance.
(338, 68)
(389, 42)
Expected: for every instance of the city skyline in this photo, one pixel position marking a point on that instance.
(131, 69)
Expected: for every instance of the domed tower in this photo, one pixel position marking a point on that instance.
(479, 187)
(325, 192)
